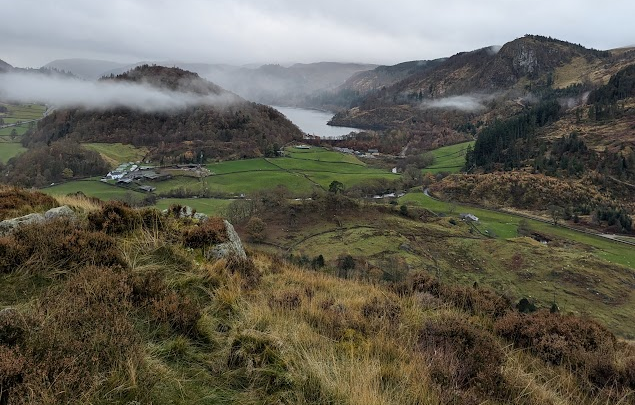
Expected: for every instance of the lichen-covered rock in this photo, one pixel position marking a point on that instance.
(63, 211)
(8, 225)
(233, 246)
(200, 216)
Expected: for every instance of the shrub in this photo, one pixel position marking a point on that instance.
(15, 202)
(12, 365)
(256, 229)
(557, 338)
(146, 287)
(257, 359)
(58, 245)
(383, 309)
(12, 254)
(179, 311)
(76, 332)
(246, 269)
(476, 300)
(83, 247)
(152, 219)
(114, 218)
(286, 300)
(209, 232)
(463, 355)
(12, 327)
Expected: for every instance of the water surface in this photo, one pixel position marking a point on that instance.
(313, 122)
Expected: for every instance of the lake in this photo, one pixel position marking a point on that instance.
(313, 122)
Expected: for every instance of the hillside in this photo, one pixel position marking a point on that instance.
(384, 76)
(89, 69)
(295, 85)
(483, 84)
(120, 306)
(591, 143)
(4, 66)
(233, 128)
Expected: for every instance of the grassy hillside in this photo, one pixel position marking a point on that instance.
(9, 150)
(449, 158)
(155, 322)
(92, 188)
(117, 153)
(584, 274)
(300, 172)
(208, 206)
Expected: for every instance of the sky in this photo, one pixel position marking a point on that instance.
(35, 32)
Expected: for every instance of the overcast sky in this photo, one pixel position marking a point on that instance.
(34, 32)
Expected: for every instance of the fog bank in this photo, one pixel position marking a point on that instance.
(466, 103)
(63, 92)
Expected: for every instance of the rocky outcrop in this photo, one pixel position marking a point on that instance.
(8, 225)
(233, 246)
(63, 211)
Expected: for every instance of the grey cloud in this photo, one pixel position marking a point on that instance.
(466, 103)
(245, 31)
(68, 92)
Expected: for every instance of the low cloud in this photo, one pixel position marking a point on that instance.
(494, 49)
(64, 92)
(465, 103)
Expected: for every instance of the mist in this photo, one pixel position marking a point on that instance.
(64, 92)
(465, 103)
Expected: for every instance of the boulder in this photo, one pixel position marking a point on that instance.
(8, 225)
(63, 211)
(233, 246)
(200, 216)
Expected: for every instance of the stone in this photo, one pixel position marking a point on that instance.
(8, 225)
(233, 246)
(200, 216)
(63, 211)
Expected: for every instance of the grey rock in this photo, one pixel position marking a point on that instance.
(63, 211)
(187, 212)
(8, 225)
(233, 246)
(200, 216)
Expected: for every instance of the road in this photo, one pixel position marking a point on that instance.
(615, 238)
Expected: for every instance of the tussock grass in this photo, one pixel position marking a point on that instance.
(79, 203)
(164, 325)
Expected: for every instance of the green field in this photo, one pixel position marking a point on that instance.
(92, 188)
(505, 226)
(321, 154)
(208, 206)
(300, 171)
(237, 166)
(23, 112)
(5, 133)
(19, 113)
(116, 153)
(9, 150)
(240, 183)
(449, 158)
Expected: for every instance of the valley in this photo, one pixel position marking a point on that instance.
(465, 237)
